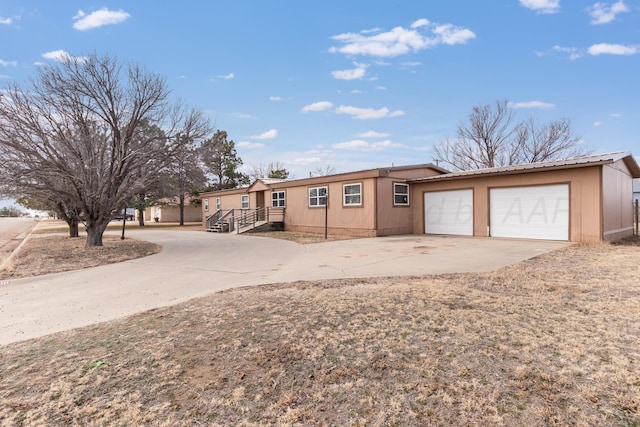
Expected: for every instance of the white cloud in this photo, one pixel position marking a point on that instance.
(62, 56)
(361, 145)
(368, 113)
(317, 106)
(452, 35)
(373, 134)
(6, 21)
(4, 76)
(306, 160)
(381, 87)
(400, 41)
(573, 52)
(411, 64)
(251, 145)
(598, 123)
(542, 6)
(226, 76)
(99, 18)
(531, 104)
(275, 98)
(353, 74)
(270, 134)
(602, 13)
(356, 91)
(243, 116)
(420, 23)
(615, 115)
(4, 63)
(612, 49)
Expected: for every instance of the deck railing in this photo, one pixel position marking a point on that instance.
(249, 218)
(244, 219)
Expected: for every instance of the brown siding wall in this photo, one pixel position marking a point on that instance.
(584, 192)
(172, 213)
(393, 220)
(617, 196)
(341, 220)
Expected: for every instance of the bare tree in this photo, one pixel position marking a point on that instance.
(322, 171)
(73, 132)
(492, 137)
(275, 170)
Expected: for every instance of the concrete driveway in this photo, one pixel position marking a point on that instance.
(194, 264)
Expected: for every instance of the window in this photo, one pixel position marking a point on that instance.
(352, 194)
(245, 202)
(318, 196)
(401, 194)
(206, 205)
(218, 203)
(277, 199)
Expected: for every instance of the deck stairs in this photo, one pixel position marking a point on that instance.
(245, 220)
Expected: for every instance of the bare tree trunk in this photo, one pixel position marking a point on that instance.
(95, 230)
(181, 208)
(73, 227)
(141, 217)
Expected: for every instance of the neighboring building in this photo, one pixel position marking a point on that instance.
(585, 199)
(169, 211)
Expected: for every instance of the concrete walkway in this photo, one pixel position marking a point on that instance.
(194, 264)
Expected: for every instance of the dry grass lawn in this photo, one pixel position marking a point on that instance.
(54, 254)
(550, 341)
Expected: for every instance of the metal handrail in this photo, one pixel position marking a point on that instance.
(249, 217)
(219, 216)
(213, 218)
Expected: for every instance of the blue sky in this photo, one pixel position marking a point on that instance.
(356, 84)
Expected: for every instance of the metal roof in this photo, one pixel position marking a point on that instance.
(574, 162)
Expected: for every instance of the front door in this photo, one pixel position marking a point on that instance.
(260, 205)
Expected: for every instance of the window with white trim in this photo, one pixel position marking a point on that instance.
(218, 203)
(245, 202)
(277, 199)
(400, 194)
(317, 196)
(206, 205)
(352, 194)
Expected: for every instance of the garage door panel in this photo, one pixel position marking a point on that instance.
(449, 212)
(538, 212)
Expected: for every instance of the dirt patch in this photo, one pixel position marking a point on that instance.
(550, 341)
(302, 238)
(54, 254)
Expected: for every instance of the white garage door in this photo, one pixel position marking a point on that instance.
(538, 212)
(449, 212)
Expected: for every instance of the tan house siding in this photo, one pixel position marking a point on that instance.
(170, 212)
(374, 216)
(393, 220)
(340, 220)
(617, 197)
(584, 194)
(598, 187)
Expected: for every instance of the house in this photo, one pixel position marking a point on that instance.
(583, 199)
(636, 189)
(168, 210)
(366, 203)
